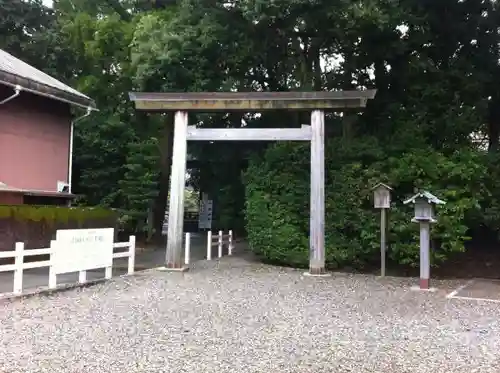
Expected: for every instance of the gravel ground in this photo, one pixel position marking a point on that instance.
(247, 317)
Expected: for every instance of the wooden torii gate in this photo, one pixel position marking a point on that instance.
(182, 103)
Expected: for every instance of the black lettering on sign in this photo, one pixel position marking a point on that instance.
(86, 239)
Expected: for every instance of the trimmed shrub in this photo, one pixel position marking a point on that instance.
(277, 202)
(37, 225)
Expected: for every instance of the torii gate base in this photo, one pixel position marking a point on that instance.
(313, 133)
(249, 101)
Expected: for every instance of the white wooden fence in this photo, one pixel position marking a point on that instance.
(220, 241)
(187, 249)
(19, 266)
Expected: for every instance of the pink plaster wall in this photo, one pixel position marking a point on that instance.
(34, 141)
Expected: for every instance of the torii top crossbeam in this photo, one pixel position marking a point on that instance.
(182, 103)
(250, 101)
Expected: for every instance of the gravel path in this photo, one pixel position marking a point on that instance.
(244, 317)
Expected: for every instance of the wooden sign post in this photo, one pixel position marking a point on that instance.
(382, 201)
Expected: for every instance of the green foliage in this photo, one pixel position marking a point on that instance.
(490, 205)
(277, 209)
(140, 185)
(277, 180)
(55, 214)
(191, 200)
(37, 225)
(457, 178)
(22, 22)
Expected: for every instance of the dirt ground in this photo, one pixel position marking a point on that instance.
(480, 260)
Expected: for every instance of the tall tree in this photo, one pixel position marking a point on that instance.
(23, 21)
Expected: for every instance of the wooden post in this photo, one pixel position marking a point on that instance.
(425, 265)
(52, 273)
(230, 249)
(383, 249)
(131, 255)
(177, 184)
(82, 277)
(317, 218)
(108, 273)
(187, 249)
(220, 244)
(209, 245)
(18, 272)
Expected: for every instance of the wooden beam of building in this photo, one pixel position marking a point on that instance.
(249, 134)
(250, 101)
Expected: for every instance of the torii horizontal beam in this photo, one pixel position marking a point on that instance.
(250, 101)
(249, 134)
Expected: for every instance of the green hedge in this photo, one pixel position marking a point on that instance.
(36, 225)
(55, 214)
(277, 202)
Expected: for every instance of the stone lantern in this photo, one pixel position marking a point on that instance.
(424, 203)
(424, 206)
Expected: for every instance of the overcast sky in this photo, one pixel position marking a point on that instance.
(47, 2)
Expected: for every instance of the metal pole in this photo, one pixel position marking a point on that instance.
(424, 255)
(383, 217)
